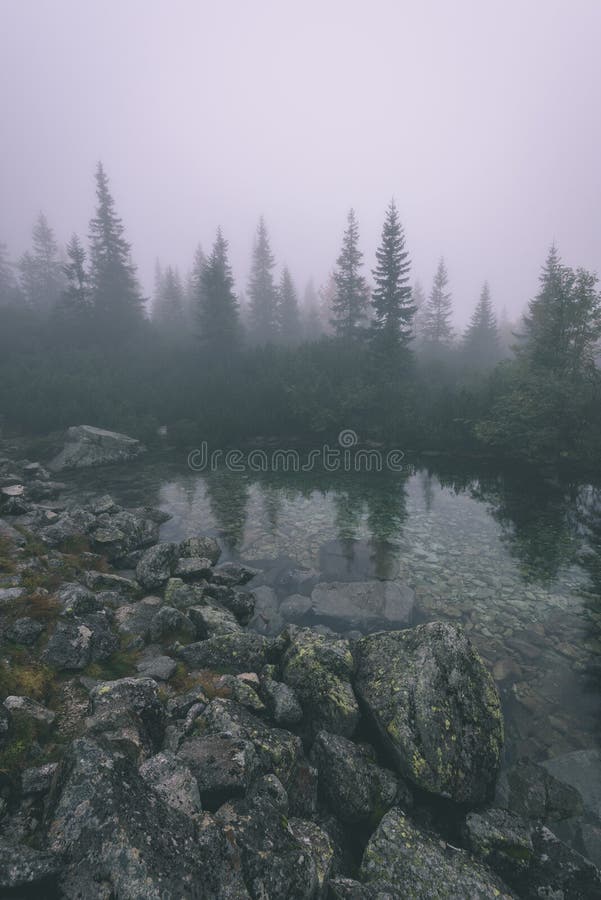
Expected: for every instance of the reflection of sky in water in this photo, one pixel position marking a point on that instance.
(501, 555)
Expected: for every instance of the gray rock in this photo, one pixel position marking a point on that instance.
(233, 687)
(435, 707)
(171, 621)
(29, 710)
(179, 706)
(24, 631)
(156, 565)
(348, 889)
(128, 713)
(530, 857)
(353, 785)
(193, 568)
(25, 871)
(298, 860)
(77, 600)
(296, 608)
(210, 619)
(364, 605)
(319, 669)
(529, 790)
(182, 595)
(135, 621)
(77, 642)
(230, 574)
(88, 446)
(233, 652)
(580, 770)
(108, 581)
(173, 781)
(400, 853)
(161, 668)
(223, 766)
(281, 701)
(201, 546)
(240, 603)
(9, 595)
(278, 752)
(118, 837)
(10, 534)
(38, 780)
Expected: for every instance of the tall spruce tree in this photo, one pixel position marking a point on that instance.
(8, 282)
(311, 320)
(41, 275)
(262, 292)
(218, 314)
(563, 324)
(76, 296)
(116, 296)
(437, 328)
(418, 298)
(481, 337)
(287, 309)
(391, 297)
(349, 303)
(168, 309)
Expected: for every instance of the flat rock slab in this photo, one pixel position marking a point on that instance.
(363, 604)
(87, 446)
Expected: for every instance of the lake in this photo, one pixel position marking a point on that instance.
(515, 558)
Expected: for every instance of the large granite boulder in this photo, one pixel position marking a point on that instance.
(88, 446)
(435, 707)
(365, 605)
(421, 867)
(156, 565)
(319, 669)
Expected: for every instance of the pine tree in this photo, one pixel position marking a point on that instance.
(8, 284)
(217, 304)
(418, 297)
(192, 288)
(481, 338)
(350, 302)
(563, 322)
(168, 311)
(262, 292)
(437, 328)
(287, 309)
(312, 324)
(391, 297)
(76, 296)
(116, 295)
(41, 276)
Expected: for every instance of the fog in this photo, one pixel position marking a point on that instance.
(482, 119)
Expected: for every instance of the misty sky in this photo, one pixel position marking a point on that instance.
(481, 117)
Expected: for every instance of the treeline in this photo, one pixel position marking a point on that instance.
(375, 354)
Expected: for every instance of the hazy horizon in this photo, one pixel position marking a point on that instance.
(480, 119)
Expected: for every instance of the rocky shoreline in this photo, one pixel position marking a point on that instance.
(155, 744)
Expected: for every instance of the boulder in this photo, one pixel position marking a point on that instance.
(421, 867)
(279, 857)
(25, 872)
(182, 595)
(211, 619)
(319, 669)
(240, 603)
(201, 546)
(354, 786)
(230, 574)
(37, 780)
(580, 770)
(77, 600)
(233, 652)
(119, 838)
(281, 702)
(530, 791)
(24, 631)
(77, 642)
(193, 568)
(173, 781)
(88, 446)
(435, 707)
(128, 713)
(160, 667)
(156, 565)
(365, 605)
(29, 710)
(223, 766)
(529, 857)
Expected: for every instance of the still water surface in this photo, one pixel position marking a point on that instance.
(513, 557)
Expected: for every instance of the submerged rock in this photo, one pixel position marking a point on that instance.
(364, 605)
(435, 707)
(319, 669)
(421, 867)
(88, 446)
